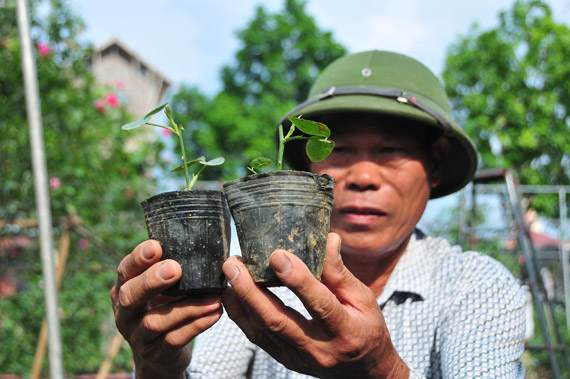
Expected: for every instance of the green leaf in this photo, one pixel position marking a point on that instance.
(200, 160)
(214, 162)
(135, 124)
(260, 162)
(155, 111)
(309, 127)
(318, 148)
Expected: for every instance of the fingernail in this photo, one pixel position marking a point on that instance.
(166, 271)
(147, 251)
(280, 263)
(231, 272)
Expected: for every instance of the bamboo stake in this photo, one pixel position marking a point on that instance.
(23, 223)
(111, 354)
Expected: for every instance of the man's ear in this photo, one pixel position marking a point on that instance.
(439, 154)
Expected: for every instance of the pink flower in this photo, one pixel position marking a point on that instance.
(43, 49)
(120, 84)
(54, 183)
(83, 244)
(7, 287)
(166, 132)
(112, 99)
(99, 105)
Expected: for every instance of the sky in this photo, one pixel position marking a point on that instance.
(189, 41)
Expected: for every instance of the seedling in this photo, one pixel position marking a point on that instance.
(176, 129)
(318, 145)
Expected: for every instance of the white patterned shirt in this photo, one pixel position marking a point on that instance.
(451, 314)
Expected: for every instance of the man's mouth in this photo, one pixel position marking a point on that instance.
(361, 214)
(362, 211)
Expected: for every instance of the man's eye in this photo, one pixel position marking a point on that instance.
(391, 150)
(342, 149)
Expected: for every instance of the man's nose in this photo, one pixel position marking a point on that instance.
(363, 176)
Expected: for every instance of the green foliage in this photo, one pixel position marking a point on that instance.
(509, 88)
(541, 362)
(282, 55)
(85, 150)
(177, 130)
(100, 169)
(92, 176)
(273, 72)
(86, 319)
(318, 146)
(226, 126)
(259, 162)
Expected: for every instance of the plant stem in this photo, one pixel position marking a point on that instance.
(188, 187)
(195, 178)
(281, 148)
(179, 134)
(296, 137)
(282, 141)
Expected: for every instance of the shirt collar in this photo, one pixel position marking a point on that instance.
(412, 272)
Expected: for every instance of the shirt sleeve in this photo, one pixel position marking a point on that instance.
(483, 331)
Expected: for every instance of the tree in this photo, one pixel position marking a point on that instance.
(92, 176)
(282, 55)
(509, 88)
(274, 70)
(98, 175)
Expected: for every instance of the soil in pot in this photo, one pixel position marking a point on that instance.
(281, 210)
(193, 228)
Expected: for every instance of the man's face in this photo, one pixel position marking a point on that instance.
(382, 177)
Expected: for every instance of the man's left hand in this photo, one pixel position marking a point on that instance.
(347, 335)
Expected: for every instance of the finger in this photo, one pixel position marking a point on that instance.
(335, 274)
(256, 310)
(246, 291)
(319, 301)
(270, 338)
(174, 339)
(234, 307)
(186, 312)
(186, 332)
(338, 279)
(134, 294)
(142, 257)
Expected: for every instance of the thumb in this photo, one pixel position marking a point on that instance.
(338, 279)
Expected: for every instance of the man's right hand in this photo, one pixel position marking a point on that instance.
(158, 328)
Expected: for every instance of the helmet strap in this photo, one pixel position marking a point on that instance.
(400, 96)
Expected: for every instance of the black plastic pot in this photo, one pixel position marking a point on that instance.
(193, 228)
(281, 210)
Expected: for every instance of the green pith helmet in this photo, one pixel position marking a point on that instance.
(391, 84)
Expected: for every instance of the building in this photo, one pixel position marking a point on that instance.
(139, 87)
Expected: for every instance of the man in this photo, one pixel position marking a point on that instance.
(391, 301)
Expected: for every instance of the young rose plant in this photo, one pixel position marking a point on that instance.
(177, 129)
(318, 145)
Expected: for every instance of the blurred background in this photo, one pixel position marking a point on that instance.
(229, 70)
